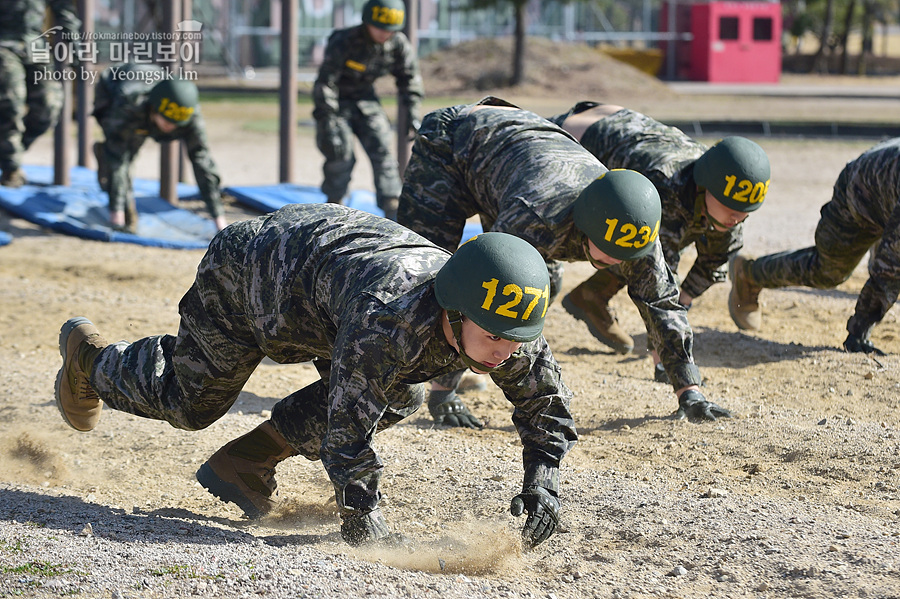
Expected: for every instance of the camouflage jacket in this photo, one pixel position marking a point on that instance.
(666, 156)
(521, 174)
(867, 192)
(353, 62)
(122, 108)
(24, 20)
(333, 283)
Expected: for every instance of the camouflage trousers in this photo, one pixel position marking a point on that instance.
(30, 103)
(841, 243)
(367, 120)
(192, 379)
(842, 239)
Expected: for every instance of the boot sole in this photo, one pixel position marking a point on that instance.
(581, 315)
(227, 492)
(67, 328)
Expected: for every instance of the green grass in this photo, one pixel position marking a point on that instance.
(37, 569)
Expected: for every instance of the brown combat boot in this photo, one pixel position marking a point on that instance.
(79, 344)
(102, 167)
(590, 302)
(390, 206)
(13, 177)
(243, 471)
(743, 300)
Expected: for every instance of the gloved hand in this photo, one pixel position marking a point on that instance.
(329, 139)
(856, 344)
(360, 528)
(543, 514)
(447, 409)
(694, 406)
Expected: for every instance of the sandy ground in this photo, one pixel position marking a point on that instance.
(796, 496)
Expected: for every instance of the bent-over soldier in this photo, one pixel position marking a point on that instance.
(523, 175)
(706, 194)
(137, 101)
(863, 215)
(378, 309)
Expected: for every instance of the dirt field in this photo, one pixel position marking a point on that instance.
(797, 496)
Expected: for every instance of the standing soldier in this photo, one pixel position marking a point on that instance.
(525, 176)
(378, 309)
(706, 194)
(346, 103)
(30, 96)
(863, 215)
(137, 101)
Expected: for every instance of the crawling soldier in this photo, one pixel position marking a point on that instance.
(378, 309)
(523, 175)
(706, 193)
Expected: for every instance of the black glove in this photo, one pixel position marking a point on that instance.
(856, 344)
(447, 409)
(693, 405)
(361, 528)
(329, 139)
(543, 514)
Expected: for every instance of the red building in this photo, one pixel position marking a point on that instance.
(732, 42)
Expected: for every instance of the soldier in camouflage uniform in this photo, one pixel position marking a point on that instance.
(691, 213)
(526, 176)
(378, 309)
(863, 215)
(30, 99)
(137, 101)
(346, 103)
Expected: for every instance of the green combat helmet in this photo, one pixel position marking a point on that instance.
(175, 100)
(619, 212)
(388, 15)
(736, 171)
(499, 282)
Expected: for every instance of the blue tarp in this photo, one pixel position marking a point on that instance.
(81, 209)
(269, 198)
(5, 238)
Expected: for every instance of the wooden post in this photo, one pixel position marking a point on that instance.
(288, 91)
(61, 158)
(404, 144)
(84, 88)
(168, 151)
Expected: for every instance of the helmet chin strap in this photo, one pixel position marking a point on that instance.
(703, 209)
(455, 317)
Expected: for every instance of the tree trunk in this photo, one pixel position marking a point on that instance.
(868, 31)
(820, 60)
(848, 23)
(518, 75)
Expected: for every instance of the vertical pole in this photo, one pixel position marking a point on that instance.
(672, 46)
(288, 92)
(187, 13)
(84, 91)
(168, 151)
(61, 134)
(404, 144)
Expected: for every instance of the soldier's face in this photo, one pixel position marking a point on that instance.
(162, 124)
(721, 216)
(379, 36)
(482, 346)
(597, 257)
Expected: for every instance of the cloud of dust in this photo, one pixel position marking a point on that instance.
(30, 458)
(475, 548)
